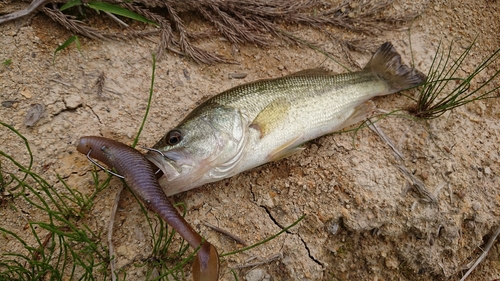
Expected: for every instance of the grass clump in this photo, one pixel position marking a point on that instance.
(446, 90)
(61, 245)
(7, 62)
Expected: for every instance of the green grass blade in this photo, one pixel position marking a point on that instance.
(66, 43)
(26, 145)
(265, 240)
(148, 106)
(70, 4)
(117, 10)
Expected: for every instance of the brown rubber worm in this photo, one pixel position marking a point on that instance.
(139, 175)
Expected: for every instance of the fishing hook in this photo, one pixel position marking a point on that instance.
(100, 166)
(157, 151)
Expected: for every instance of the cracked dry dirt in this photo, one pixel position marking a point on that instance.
(360, 223)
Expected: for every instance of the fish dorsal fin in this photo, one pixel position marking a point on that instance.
(271, 116)
(320, 71)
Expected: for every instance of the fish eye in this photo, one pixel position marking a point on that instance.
(173, 137)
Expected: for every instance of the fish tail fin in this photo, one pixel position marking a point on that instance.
(386, 63)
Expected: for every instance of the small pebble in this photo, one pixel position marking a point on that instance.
(256, 274)
(237, 75)
(72, 101)
(186, 74)
(26, 93)
(333, 227)
(476, 206)
(487, 171)
(9, 103)
(178, 83)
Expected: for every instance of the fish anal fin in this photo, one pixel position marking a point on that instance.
(271, 116)
(286, 149)
(361, 112)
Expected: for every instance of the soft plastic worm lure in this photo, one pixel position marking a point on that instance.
(139, 174)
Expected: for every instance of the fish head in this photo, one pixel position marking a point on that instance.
(198, 149)
(184, 151)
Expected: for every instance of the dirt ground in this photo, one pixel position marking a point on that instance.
(361, 223)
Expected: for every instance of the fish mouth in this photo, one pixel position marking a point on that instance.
(168, 166)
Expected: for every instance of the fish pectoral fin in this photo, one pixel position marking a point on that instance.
(286, 149)
(361, 112)
(271, 116)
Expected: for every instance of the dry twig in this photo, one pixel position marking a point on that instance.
(227, 233)
(416, 183)
(484, 254)
(376, 129)
(18, 14)
(263, 261)
(419, 186)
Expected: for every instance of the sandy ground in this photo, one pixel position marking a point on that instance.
(360, 223)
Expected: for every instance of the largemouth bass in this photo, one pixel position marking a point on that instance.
(267, 120)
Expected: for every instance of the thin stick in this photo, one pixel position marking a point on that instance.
(112, 263)
(227, 233)
(61, 82)
(483, 255)
(265, 261)
(419, 186)
(18, 14)
(119, 21)
(375, 128)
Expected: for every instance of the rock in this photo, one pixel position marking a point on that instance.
(34, 114)
(487, 171)
(257, 274)
(72, 101)
(26, 93)
(56, 107)
(333, 227)
(476, 206)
